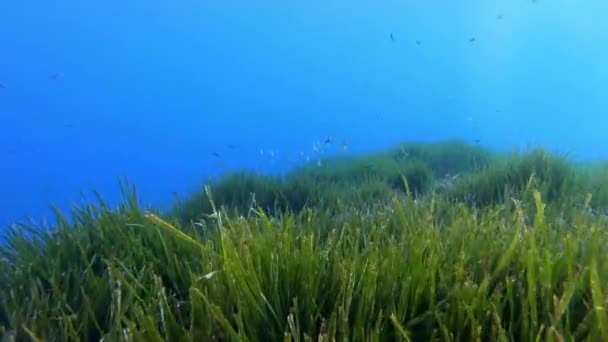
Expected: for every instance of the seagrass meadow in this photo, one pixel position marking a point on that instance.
(423, 242)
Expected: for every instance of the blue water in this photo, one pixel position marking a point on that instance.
(95, 90)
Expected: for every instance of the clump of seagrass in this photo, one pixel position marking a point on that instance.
(386, 262)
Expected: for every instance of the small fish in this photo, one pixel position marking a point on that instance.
(499, 17)
(472, 39)
(55, 76)
(477, 141)
(232, 146)
(316, 147)
(2, 86)
(392, 36)
(327, 140)
(418, 43)
(217, 155)
(345, 145)
(403, 154)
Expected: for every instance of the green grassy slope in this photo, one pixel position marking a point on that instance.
(444, 241)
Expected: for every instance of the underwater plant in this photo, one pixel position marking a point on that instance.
(330, 253)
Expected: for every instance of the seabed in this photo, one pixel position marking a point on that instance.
(424, 242)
